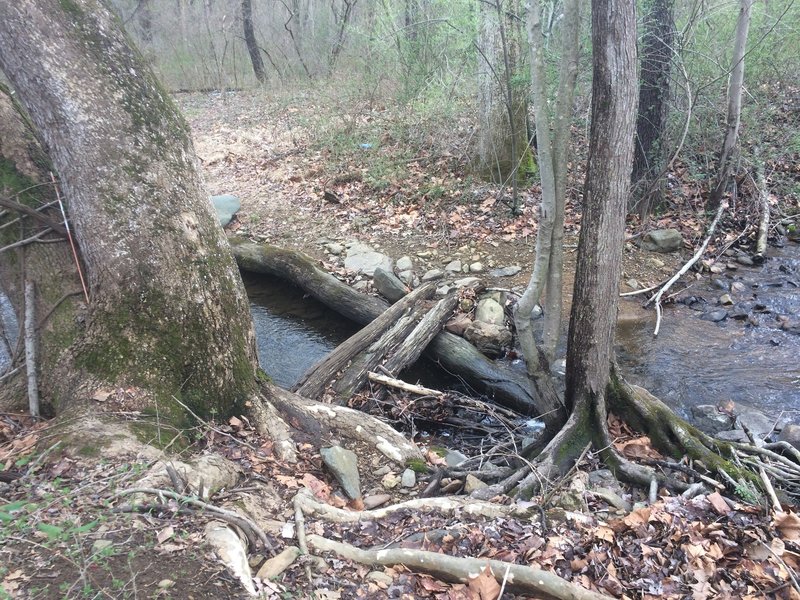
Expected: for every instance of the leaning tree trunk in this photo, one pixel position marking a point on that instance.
(735, 85)
(168, 317)
(250, 41)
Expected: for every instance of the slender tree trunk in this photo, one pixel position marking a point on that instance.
(250, 41)
(735, 85)
(168, 316)
(654, 86)
(594, 303)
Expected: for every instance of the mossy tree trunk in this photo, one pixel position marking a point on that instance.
(168, 315)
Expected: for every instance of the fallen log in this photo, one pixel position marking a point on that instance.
(313, 382)
(454, 354)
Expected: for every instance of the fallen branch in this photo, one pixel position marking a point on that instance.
(404, 385)
(657, 297)
(519, 578)
(30, 349)
(27, 240)
(763, 195)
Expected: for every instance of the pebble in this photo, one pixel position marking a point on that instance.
(743, 259)
(476, 267)
(433, 274)
(409, 478)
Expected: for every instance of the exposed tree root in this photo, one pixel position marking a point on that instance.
(518, 578)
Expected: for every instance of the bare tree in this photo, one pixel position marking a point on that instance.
(250, 41)
(735, 87)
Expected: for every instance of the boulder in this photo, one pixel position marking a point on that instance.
(364, 259)
(489, 311)
(226, 206)
(709, 419)
(388, 286)
(488, 338)
(663, 240)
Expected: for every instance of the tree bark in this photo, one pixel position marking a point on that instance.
(597, 275)
(735, 85)
(168, 315)
(654, 86)
(251, 43)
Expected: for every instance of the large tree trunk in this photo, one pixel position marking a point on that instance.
(168, 316)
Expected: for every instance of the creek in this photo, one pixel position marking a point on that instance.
(692, 361)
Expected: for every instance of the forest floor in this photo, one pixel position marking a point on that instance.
(399, 181)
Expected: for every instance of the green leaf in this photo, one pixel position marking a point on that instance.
(53, 532)
(88, 527)
(14, 505)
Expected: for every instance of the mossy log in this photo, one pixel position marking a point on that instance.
(453, 353)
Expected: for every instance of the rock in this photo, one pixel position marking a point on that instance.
(726, 300)
(433, 274)
(709, 419)
(406, 277)
(278, 563)
(559, 366)
(404, 263)
(361, 286)
(489, 339)
(489, 311)
(505, 271)
(743, 259)
(720, 284)
(344, 465)
(408, 479)
(442, 290)
(380, 578)
(717, 268)
(380, 471)
(466, 305)
(472, 484)
(376, 500)
(362, 258)
(466, 282)
(663, 240)
(738, 287)
(390, 481)
(388, 286)
(454, 266)
(601, 477)
(476, 267)
(734, 435)
(790, 433)
(334, 248)
(613, 498)
(756, 422)
(99, 545)
(226, 206)
(655, 263)
(424, 254)
(715, 315)
(633, 284)
(458, 324)
(454, 458)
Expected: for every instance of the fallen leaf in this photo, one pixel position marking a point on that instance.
(485, 585)
(788, 525)
(718, 503)
(165, 534)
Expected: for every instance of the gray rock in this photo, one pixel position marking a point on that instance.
(489, 339)
(505, 271)
(226, 206)
(490, 311)
(726, 300)
(734, 435)
(376, 500)
(454, 458)
(381, 471)
(443, 290)
(388, 286)
(344, 465)
(790, 433)
(361, 286)
(613, 498)
(655, 263)
(759, 424)
(364, 259)
(454, 266)
(458, 324)
(406, 277)
(334, 248)
(433, 274)
(633, 284)
(404, 263)
(473, 484)
(408, 479)
(707, 418)
(743, 259)
(720, 284)
(466, 282)
(476, 267)
(715, 315)
(663, 240)
(738, 287)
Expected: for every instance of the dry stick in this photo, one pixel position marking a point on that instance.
(69, 237)
(403, 385)
(27, 240)
(686, 267)
(30, 349)
(776, 505)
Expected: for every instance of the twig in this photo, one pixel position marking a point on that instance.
(28, 240)
(69, 237)
(686, 267)
(215, 429)
(776, 505)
